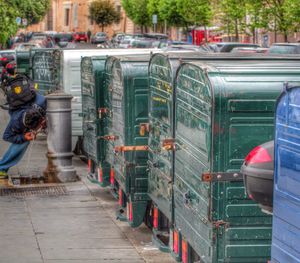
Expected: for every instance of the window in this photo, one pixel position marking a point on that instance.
(67, 16)
(50, 20)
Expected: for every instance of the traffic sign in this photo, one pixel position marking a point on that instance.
(24, 22)
(18, 20)
(154, 19)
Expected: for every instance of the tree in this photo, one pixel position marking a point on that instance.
(196, 12)
(137, 11)
(104, 13)
(283, 15)
(257, 17)
(233, 16)
(168, 11)
(33, 10)
(292, 9)
(152, 9)
(8, 25)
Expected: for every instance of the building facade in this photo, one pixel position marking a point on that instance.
(73, 16)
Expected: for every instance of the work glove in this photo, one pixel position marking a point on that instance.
(29, 136)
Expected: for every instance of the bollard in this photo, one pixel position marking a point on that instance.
(59, 139)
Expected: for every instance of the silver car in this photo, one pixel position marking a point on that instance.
(99, 37)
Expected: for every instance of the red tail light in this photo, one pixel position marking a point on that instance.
(89, 165)
(258, 155)
(185, 255)
(100, 174)
(112, 176)
(155, 217)
(130, 212)
(120, 197)
(176, 242)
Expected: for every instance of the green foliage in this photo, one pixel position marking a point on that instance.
(236, 16)
(137, 11)
(104, 13)
(8, 25)
(233, 16)
(33, 10)
(152, 8)
(292, 11)
(283, 15)
(168, 11)
(195, 12)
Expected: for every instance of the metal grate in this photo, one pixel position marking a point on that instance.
(34, 191)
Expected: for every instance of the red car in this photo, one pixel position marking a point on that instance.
(80, 36)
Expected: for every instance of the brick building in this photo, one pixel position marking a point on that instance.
(73, 16)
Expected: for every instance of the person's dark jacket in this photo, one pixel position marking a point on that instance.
(39, 102)
(15, 130)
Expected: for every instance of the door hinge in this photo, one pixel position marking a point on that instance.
(219, 223)
(103, 112)
(221, 177)
(169, 144)
(119, 149)
(109, 137)
(144, 127)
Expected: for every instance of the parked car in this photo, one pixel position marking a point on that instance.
(167, 43)
(64, 40)
(145, 43)
(80, 36)
(99, 37)
(63, 37)
(228, 46)
(285, 48)
(249, 50)
(44, 40)
(126, 43)
(184, 47)
(28, 46)
(155, 36)
(117, 38)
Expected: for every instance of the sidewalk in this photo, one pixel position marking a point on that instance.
(75, 224)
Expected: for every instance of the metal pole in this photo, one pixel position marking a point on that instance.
(59, 139)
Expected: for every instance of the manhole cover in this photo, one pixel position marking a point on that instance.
(34, 191)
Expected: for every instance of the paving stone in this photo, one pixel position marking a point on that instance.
(79, 227)
(107, 254)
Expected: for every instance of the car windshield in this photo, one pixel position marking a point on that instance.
(283, 49)
(100, 34)
(125, 42)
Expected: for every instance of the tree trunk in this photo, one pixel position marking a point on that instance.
(254, 35)
(285, 37)
(228, 31)
(102, 26)
(205, 34)
(236, 27)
